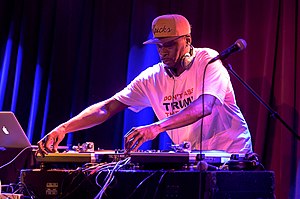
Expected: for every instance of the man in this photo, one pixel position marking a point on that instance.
(193, 100)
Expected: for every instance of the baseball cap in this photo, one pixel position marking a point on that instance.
(168, 27)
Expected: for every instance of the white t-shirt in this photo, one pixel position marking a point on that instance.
(225, 129)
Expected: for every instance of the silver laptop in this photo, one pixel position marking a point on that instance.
(11, 132)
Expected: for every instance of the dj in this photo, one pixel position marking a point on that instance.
(188, 98)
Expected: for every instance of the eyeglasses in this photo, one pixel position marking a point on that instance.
(169, 43)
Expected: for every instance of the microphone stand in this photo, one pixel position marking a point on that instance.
(274, 114)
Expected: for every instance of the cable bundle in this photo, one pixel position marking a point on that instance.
(111, 168)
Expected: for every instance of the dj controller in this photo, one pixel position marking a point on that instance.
(152, 159)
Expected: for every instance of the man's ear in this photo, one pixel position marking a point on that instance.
(188, 40)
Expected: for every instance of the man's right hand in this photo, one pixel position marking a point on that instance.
(50, 142)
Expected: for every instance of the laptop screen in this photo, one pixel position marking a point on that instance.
(11, 132)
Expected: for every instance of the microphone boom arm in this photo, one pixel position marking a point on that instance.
(274, 114)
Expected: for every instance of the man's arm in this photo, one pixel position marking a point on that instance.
(91, 116)
(192, 113)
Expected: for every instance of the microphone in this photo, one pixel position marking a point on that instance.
(239, 45)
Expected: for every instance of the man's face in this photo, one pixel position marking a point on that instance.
(171, 52)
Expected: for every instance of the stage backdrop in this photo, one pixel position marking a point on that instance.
(58, 57)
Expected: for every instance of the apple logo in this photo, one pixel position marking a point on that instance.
(5, 131)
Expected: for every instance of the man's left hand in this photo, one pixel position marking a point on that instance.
(138, 135)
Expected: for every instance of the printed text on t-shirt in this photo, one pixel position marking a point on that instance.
(173, 104)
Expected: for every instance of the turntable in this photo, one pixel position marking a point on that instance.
(179, 160)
